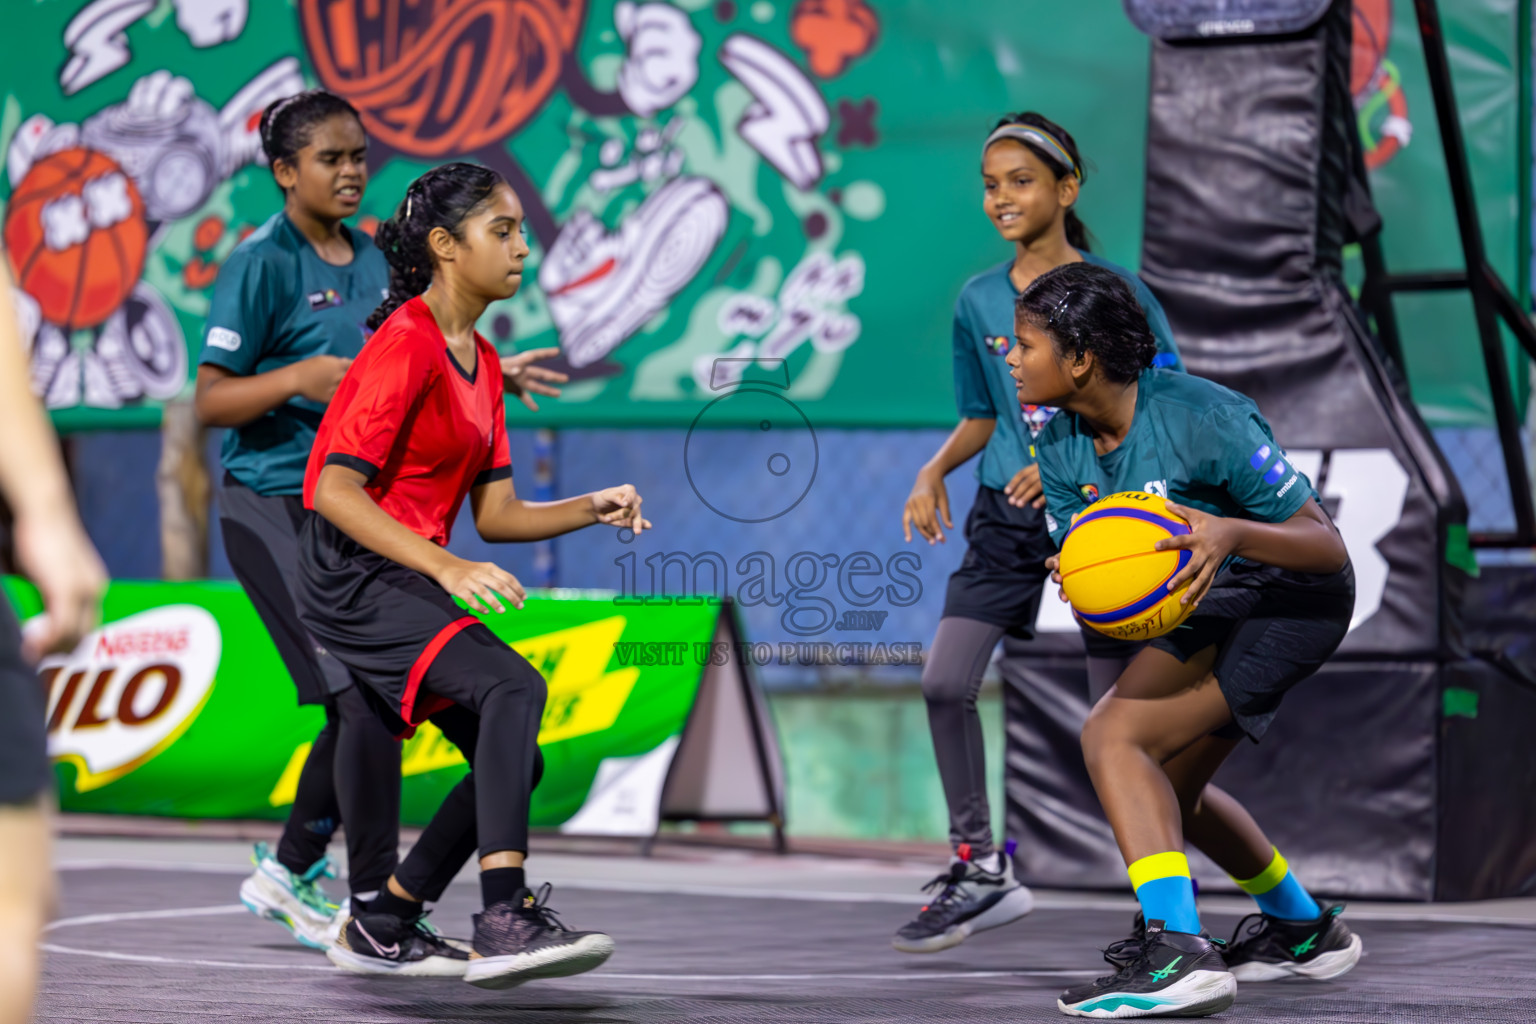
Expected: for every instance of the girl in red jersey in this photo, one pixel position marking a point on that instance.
(416, 425)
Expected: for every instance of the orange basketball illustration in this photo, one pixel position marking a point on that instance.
(1372, 33)
(76, 236)
(436, 78)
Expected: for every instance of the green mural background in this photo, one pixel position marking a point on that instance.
(797, 193)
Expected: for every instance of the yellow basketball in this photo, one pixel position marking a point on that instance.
(1116, 580)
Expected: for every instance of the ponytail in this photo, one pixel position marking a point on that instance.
(1078, 235)
(1077, 232)
(444, 197)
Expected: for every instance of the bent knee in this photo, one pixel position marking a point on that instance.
(945, 688)
(1110, 727)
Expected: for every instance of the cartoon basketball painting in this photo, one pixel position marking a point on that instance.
(1375, 84)
(75, 234)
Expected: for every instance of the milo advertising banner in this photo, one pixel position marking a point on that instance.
(180, 706)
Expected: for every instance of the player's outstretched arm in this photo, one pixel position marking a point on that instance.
(51, 545)
(501, 516)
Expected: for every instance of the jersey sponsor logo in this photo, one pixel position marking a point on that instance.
(1288, 484)
(324, 300)
(129, 690)
(998, 346)
(223, 337)
(1090, 492)
(1036, 417)
(1277, 472)
(1157, 487)
(1261, 456)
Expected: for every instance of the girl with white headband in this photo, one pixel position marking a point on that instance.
(1031, 175)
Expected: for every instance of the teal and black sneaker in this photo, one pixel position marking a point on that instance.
(1266, 948)
(297, 902)
(1175, 975)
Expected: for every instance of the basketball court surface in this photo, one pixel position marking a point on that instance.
(150, 931)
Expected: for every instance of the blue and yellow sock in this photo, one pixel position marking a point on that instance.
(1279, 894)
(1165, 891)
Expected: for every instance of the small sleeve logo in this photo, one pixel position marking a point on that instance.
(223, 337)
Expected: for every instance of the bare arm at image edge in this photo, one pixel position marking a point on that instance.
(51, 545)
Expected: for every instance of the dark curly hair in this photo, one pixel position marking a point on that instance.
(1094, 310)
(1078, 235)
(444, 197)
(288, 124)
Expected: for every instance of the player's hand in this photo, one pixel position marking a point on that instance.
(1054, 565)
(1025, 488)
(521, 378)
(620, 506)
(927, 505)
(58, 557)
(481, 585)
(318, 377)
(1209, 541)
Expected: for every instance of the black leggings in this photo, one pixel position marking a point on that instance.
(499, 701)
(354, 764)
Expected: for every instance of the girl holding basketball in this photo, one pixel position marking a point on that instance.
(417, 425)
(1271, 592)
(1031, 173)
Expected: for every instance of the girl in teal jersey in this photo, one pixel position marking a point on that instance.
(1031, 173)
(285, 322)
(1272, 594)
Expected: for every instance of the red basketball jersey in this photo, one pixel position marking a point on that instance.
(409, 418)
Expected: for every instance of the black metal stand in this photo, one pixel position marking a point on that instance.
(1492, 301)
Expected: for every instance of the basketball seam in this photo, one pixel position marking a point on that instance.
(74, 301)
(1111, 561)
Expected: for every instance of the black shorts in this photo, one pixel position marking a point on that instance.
(1003, 574)
(24, 770)
(1272, 629)
(261, 538)
(384, 621)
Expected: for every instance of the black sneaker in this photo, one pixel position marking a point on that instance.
(970, 899)
(521, 939)
(1122, 954)
(1267, 948)
(386, 944)
(1176, 975)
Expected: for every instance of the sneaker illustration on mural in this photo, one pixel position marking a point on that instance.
(602, 286)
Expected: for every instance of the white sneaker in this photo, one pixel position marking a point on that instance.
(294, 901)
(970, 899)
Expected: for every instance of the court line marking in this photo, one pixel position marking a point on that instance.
(240, 908)
(143, 915)
(167, 961)
(1042, 902)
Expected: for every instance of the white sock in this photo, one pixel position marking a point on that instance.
(992, 864)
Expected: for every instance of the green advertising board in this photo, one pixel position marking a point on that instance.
(791, 185)
(180, 706)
